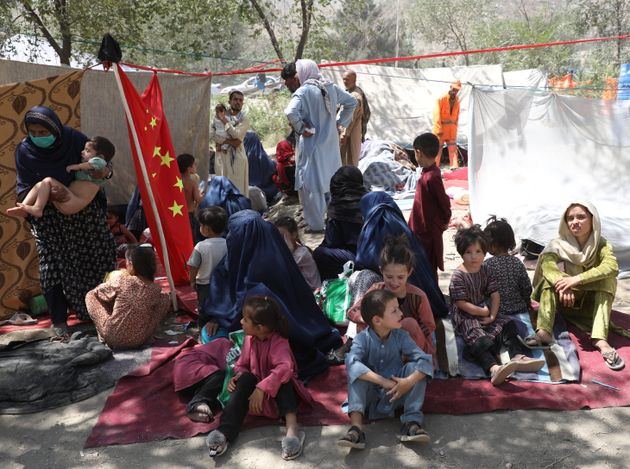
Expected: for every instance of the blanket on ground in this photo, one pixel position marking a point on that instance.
(129, 417)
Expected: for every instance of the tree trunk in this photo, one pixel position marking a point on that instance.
(64, 50)
(270, 31)
(64, 26)
(307, 15)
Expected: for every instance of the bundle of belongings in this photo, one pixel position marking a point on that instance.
(386, 166)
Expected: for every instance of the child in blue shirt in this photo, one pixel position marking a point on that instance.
(379, 381)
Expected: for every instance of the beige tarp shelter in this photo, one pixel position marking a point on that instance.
(90, 102)
(186, 104)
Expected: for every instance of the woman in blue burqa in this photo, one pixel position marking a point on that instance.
(382, 217)
(258, 261)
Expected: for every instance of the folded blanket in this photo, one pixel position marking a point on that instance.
(562, 364)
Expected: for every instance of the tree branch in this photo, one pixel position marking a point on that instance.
(40, 24)
(267, 25)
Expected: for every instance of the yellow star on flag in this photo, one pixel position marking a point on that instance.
(153, 175)
(176, 208)
(166, 160)
(153, 122)
(156, 151)
(179, 184)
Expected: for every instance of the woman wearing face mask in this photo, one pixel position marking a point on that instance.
(74, 251)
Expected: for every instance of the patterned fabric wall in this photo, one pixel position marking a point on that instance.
(18, 257)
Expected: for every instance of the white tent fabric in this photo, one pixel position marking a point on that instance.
(402, 99)
(532, 153)
(186, 102)
(530, 78)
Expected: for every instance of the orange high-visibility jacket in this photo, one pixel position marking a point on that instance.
(445, 121)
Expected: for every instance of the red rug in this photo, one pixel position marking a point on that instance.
(144, 407)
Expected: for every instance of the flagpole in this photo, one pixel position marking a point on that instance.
(147, 183)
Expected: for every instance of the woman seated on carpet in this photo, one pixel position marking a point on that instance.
(128, 307)
(257, 255)
(577, 276)
(265, 381)
(343, 224)
(383, 218)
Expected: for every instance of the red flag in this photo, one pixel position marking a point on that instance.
(162, 181)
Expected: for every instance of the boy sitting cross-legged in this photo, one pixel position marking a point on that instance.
(386, 370)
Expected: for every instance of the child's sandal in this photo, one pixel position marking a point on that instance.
(413, 432)
(292, 446)
(217, 443)
(354, 438)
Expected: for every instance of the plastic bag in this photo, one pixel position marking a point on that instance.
(237, 338)
(335, 297)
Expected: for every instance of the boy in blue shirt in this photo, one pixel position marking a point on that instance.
(379, 381)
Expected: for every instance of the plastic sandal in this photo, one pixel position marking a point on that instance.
(292, 447)
(413, 432)
(613, 360)
(354, 438)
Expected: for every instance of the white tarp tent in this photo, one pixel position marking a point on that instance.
(531, 153)
(530, 78)
(402, 99)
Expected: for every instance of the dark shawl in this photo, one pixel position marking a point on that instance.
(257, 254)
(223, 193)
(261, 167)
(33, 164)
(346, 190)
(382, 218)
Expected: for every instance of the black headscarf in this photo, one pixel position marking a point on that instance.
(346, 190)
(34, 163)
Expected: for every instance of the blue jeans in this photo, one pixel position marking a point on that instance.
(371, 400)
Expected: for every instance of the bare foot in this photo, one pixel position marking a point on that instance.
(37, 212)
(544, 336)
(17, 212)
(201, 413)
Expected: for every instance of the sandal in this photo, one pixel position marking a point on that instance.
(526, 364)
(613, 360)
(502, 373)
(534, 342)
(217, 444)
(413, 432)
(292, 446)
(200, 413)
(354, 438)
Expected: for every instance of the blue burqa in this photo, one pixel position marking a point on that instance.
(382, 218)
(261, 168)
(222, 193)
(258, 256)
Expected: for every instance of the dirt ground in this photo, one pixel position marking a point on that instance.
(506, 439)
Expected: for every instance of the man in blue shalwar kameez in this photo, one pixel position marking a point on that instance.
(312, 112)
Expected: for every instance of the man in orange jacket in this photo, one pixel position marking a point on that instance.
(445, 117)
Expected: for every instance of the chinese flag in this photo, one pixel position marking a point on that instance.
(149, 134)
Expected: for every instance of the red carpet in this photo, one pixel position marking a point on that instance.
(143, 407)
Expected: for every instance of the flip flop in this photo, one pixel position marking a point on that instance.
(529, 365)
(292, 447)
(503, 373)
(613, 360)
(533, 342)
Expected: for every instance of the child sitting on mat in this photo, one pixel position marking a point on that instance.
(265, 382)
(475, 313)
(508, 271)
(97, 153)
(386, 370)
(128, 307)
(302, 255)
